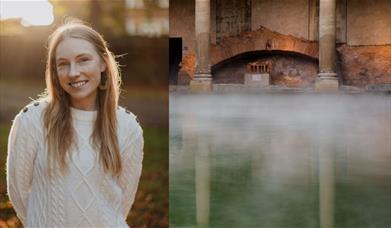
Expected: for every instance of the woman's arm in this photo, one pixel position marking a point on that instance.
(132, 156)
(21, 152)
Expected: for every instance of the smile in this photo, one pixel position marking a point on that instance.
(78, 84)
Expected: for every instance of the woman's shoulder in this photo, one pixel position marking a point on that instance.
(129, 129)
(127, 119)
(31, 114)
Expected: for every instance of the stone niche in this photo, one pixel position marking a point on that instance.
(258, 73)
(286, 69)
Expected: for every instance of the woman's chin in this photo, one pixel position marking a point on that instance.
(82, 95)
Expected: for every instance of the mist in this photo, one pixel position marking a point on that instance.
(280, 160)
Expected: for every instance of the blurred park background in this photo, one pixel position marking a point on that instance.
(137, 30)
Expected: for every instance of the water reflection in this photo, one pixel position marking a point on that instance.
(280, 161)
(202, 180)
(326, 166)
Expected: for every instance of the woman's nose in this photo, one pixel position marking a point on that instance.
(74, 70)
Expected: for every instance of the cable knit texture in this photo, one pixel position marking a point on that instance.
(85, 196)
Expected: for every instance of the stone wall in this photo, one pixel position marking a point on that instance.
(365, 65)
(368, 22)
(289, 17)
(340, 23)
(287, 69)
(232, 17)
(182, 22)
(359, 22)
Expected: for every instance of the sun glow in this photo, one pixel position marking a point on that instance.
(31, 12)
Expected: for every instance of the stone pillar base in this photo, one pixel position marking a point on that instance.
(326, 82)
(201, 85)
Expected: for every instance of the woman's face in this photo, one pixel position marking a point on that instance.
(79, 69)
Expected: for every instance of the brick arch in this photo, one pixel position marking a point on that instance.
(262, 39)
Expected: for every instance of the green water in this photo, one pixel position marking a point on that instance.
(280, 161)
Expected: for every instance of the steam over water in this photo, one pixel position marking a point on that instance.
(280, 160)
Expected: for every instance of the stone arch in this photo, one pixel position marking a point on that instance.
(262, 39)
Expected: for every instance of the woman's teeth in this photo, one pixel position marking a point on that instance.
(78, 84)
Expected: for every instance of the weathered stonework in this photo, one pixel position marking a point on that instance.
(365, 65)
(290, 17)
(327, 82)
(260, 40)
(287, 27)
(203, 85)
(340, 24)
(368, 22)
(327, 54)
(288, 70)
(187, 68)
(202, 81)
(182, 22)
(232, 17)
(257, 79)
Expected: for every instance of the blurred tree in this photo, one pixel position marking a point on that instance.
(11, 27)
(64, 8)
(113, 18)
(95, 15)
(106, 16)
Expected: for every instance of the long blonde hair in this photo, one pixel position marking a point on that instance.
(57, 115)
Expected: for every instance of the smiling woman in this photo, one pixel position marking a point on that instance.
(75, 156)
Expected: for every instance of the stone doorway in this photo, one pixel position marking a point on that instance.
(175, 58)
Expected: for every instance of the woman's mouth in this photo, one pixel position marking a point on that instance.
(78, 84)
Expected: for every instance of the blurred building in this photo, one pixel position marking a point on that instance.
(304, 40)
(115, 18)
(147, 18)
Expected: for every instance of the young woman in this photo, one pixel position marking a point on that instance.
(75, 156)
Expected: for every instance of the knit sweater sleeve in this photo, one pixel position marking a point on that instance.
(22, 148)
(132, 156)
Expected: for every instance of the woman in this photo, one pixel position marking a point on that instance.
(75, 156)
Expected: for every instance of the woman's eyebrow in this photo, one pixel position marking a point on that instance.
(83, 54)
(78, 56)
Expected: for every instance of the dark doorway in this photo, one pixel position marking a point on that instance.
(175, 58)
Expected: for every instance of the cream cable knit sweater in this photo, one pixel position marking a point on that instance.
(85, 196)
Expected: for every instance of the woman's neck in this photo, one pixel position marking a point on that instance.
(85, 106)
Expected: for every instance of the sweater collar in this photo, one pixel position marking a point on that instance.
(82, 115)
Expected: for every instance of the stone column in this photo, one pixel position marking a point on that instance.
(327, 78)
(202, 81)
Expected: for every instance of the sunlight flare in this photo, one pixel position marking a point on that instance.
(31, 13)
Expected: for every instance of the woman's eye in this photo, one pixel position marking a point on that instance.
(84, 60)
(61, 64)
